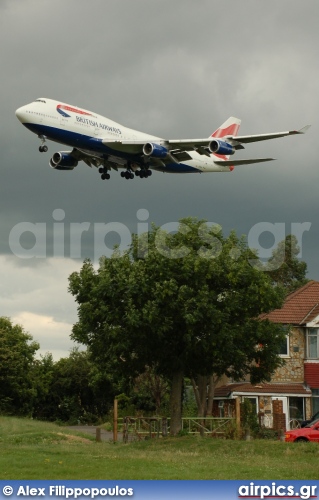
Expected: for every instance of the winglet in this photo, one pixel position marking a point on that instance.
(301, 131)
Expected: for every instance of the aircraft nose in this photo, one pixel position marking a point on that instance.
(20, 113)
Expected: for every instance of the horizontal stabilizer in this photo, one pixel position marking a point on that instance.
(226, 163)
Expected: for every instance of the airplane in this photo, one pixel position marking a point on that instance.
(107, 145)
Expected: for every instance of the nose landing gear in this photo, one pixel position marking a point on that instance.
(43, 148)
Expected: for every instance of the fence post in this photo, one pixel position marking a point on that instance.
(98, 434)
(115, 421)
(237, 414)
(164, 427)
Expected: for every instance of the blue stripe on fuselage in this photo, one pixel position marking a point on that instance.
(86, 142)
(68, 138)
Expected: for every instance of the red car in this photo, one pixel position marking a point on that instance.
(308, 433)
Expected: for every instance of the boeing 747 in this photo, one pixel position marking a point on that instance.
(102, 143)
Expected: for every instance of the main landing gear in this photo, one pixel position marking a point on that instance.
(128, 174)
(104, 173)
(43, 148)
(143, 173)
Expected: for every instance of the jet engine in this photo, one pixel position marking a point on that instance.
(155, 150)
(221, 147)
(63, 160)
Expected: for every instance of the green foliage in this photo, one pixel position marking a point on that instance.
(231, 431)
(182, 432)
(249, 420)
(264, 433)
(186, 303)
(284, 267)
(17, 362)
(189, 402)
(151, 392)
(77, 392)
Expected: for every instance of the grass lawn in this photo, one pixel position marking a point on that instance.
(39, 450)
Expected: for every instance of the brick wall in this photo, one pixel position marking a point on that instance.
(293, 369)
(279, 418)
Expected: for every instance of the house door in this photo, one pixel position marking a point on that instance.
(284, 408)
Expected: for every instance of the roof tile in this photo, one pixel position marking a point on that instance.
(246, 387)
(300, 307)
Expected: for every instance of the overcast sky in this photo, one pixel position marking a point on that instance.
(174, 69)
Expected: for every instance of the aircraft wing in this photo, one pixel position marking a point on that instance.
(177, 150)
(236, 140)
(185, 144)
(264, 137)
(176, 153)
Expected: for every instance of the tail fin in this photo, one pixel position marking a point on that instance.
(229, 127)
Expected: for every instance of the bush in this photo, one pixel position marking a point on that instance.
(264, 433)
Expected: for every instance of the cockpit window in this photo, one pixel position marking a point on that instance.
(40, 100)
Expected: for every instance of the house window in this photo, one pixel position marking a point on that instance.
(221, 408)
(296, 408)
(312, 343)
(284, 348)
(253, 401)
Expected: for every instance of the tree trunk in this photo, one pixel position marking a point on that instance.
(200, 390)
(210, 397)
(196, 392)
(176, 403)
(204, 390)
(202, 408)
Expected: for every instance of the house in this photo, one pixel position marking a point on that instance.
(296, 383)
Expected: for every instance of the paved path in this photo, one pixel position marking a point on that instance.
(91, 429)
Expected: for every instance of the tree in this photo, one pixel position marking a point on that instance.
(78, 392)
(185, 304)
(151, 389)
(17, 352)
(284, 268)
(43, 375)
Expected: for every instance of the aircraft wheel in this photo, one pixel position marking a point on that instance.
(142, 174)
(131, 175)
(149, 173)
(101, 170)
(123, 174)
(137, 173)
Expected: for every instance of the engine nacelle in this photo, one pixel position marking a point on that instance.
(155, 150)
(63, 160)
(221, 147)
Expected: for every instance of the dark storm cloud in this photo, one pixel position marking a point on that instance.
(173, 69)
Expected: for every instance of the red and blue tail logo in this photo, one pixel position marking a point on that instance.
(229, 127)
